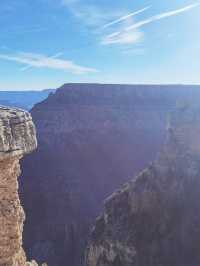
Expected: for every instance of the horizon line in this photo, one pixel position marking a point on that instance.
(100, 83)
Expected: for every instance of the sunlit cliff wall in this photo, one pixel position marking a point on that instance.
(17, 137)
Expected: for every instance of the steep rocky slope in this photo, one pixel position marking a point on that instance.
(17, 137)
(92, 139)
(155, 219)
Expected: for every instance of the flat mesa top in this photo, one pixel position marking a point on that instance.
(17, 132)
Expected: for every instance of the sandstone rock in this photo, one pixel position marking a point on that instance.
(17, 137)
(155, 219)
(17, 133)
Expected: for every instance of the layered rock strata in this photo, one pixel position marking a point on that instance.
(17, 137)
(92, 139)
(155, 219)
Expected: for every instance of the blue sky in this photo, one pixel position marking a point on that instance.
(45, 43)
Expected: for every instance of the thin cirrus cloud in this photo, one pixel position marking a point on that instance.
(93, 16)
(135, 36)
(41, 61)
(132, 33)
(90, 15)
(125, 17)
(162, 16)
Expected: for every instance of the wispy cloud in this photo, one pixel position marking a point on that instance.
(94, 16)
(132, 33)
(123, 38)
(162, 16)
(126, 29)
(42, 61)
(89, 14)
(51, 57)
(125, 17)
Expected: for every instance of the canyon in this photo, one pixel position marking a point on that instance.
(92, 138)
(17, 138)
(154, 219)
(23, 99)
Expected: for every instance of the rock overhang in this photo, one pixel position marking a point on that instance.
(17, 133)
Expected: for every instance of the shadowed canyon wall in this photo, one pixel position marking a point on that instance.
(155, 219)
(92, 139)
(17, 137)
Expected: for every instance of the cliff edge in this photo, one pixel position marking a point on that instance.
(17, 137)
(155, 219)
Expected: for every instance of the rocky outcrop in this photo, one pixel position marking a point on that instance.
(17, 137)
(155, 219)
(92, 139)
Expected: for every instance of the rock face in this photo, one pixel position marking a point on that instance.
(92, 139)
(17, 137)
(155, 219)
